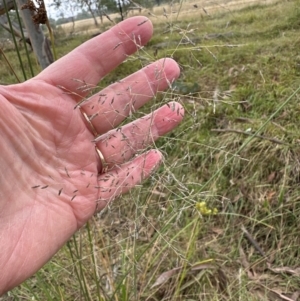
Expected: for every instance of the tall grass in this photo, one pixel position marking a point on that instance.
(219, 220)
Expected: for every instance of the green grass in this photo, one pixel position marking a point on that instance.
(243, 67)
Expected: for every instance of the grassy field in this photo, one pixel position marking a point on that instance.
(182, 9)
(220, 219)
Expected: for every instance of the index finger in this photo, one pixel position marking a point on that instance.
(95, 58)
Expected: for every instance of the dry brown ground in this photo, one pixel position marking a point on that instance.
(156, 14)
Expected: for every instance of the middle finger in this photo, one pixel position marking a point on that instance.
(108, 108)
(120, 145)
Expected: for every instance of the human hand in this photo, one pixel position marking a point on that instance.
(52, 178)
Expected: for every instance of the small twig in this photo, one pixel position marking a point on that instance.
(279, 126)
(253, 242)
(107, 16)
(9, 65)
(274, 140)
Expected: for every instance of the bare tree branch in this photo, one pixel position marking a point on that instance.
(9, 5)
(15, 26)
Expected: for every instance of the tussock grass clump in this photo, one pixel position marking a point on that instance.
(236, 155)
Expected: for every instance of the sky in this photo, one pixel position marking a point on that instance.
(50, 10)
(54, 13)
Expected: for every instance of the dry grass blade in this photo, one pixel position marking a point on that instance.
(165, 276)
(287, 270)
(253, 242)
(202, 266)
(280, 295)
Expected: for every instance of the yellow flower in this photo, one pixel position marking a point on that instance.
(204, 210)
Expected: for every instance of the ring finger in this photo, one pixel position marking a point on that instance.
(120, 145)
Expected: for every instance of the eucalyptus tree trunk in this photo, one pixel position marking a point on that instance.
(39, 43)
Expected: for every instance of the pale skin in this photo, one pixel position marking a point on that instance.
(52, 180)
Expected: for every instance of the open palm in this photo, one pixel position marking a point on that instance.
(52, 179)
